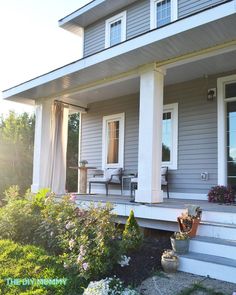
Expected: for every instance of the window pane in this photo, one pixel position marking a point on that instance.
(113, 132)
(115, 33)
(166, 137)
(230, 90)
(163, 12)
(231, 143)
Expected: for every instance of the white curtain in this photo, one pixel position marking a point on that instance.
(55, 172)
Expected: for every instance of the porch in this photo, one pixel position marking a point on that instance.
(212, 251)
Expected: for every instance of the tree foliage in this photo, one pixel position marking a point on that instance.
(16, 150)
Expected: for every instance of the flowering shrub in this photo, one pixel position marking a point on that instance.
(108, 286)
(132, 237)
(221, 194)
(90, 242)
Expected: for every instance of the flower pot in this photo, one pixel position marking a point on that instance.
(190, 227)
(180, 246)
(170, 265)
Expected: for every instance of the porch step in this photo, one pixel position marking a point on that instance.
(208, 245)
(209, 265)
(217, 230)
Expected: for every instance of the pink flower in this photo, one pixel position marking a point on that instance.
(85, 265)
(73, 198)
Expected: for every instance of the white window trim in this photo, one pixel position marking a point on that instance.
(173, 108)
(106, 119)
(121, 16)
(221, 127)
(153, 13)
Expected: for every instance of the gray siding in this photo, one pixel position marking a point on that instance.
(138, 22)
(94, 38)
(138, 18)
(91, 147)
(197, 135)
(186, 7)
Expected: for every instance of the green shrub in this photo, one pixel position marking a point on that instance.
(18, 221)
(91, 243)
(132, 237)
(28, 262)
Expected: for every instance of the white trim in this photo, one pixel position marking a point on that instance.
(133, 45)
(99, 189)
(121, 118)
(153, 12)
(173, 108)
(221, 127)
(121, 16)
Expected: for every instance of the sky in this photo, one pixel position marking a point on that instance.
(32, 42)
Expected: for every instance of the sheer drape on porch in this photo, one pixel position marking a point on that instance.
(55, 168)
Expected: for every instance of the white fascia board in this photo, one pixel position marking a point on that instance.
(79, 12)
(175, 28)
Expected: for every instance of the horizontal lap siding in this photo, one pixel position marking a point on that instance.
(197, 140)
(138, 22)
(91, 148)
(94, 38)
(138, 18)
(186, 7)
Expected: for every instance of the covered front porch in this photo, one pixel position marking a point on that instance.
(178, 67)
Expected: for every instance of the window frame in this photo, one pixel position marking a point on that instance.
(173, 109)
(121, 16)
(153, 12)
(106, 119)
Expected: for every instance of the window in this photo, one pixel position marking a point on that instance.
(170, 136)
(115, 29)
(113, 141)
(163, 12)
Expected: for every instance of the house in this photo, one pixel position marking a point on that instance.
(154, 73)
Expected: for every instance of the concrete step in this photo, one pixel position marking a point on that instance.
(209, 265)
(221, 217)
(217, 230)
(216, 246)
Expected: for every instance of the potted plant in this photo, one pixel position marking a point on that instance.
(169, 261)
(221, 194)
(180, 242)
(83, 163)
(189, 220)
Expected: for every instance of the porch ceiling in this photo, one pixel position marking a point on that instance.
(209, 66)
(198, 32)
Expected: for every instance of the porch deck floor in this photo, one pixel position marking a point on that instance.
(167, 203)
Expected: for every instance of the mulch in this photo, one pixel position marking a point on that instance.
(145, 261)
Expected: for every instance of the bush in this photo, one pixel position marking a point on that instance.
(132, 237)
(26, 262)
(221, 194)
(91, 242)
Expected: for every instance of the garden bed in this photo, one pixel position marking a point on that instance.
(145, 261)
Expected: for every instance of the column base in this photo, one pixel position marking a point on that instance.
(149, 196)
(35, 188)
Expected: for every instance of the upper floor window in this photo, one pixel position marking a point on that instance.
(162, 12)
(115, 29)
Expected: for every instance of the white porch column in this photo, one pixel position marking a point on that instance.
(49, 170)
(150, 136)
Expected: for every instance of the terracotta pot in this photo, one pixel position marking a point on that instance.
(170, 265)
(193, 228)
(180, 246)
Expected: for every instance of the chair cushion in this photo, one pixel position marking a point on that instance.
(134, 180)
(98, 179)
(163, 175)
(109, 172)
